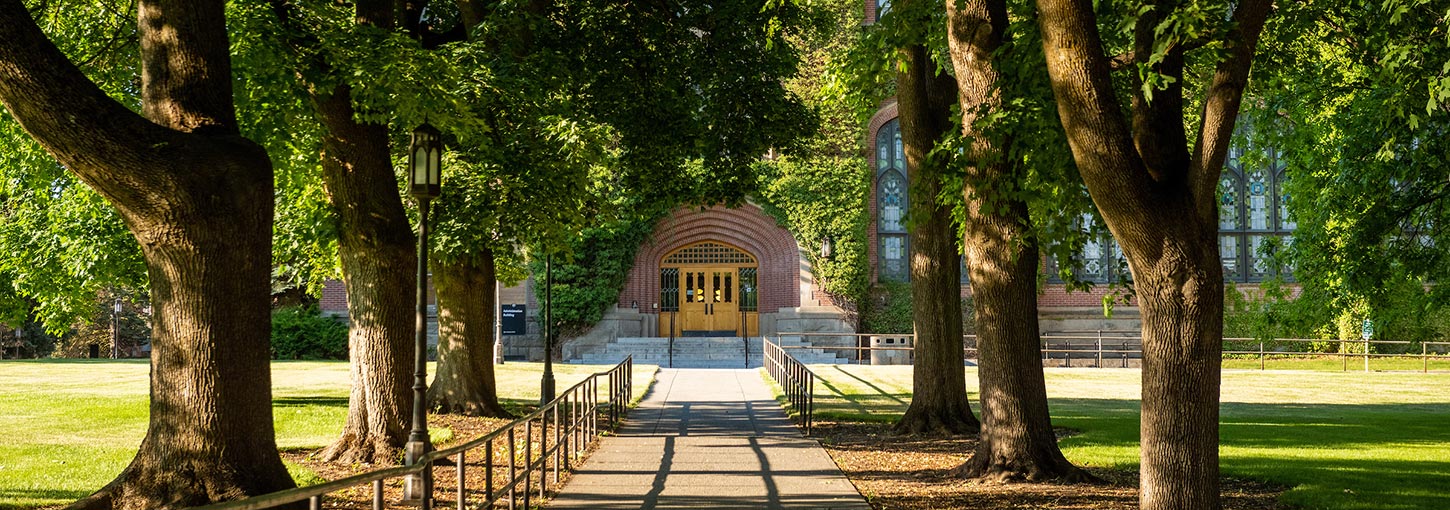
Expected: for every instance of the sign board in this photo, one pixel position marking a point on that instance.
(514, 319)
(1367, 330)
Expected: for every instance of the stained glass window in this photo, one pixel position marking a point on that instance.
(1253, 210)
(1228, 202)
(1228, 253)
(1280, 190)
(893, 258)
(891, 203)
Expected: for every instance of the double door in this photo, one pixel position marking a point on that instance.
(709, 301)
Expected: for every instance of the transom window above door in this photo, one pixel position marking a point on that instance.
(708, 252)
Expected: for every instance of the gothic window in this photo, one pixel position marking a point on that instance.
(1253, 213)
(1100, 260)
(891, 203)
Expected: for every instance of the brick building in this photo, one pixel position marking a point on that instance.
(1253, 220)
(730, 272)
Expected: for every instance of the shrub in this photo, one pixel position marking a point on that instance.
(302, 332)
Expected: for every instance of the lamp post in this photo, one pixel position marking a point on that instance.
(425, 155)
(546, 392)
(827, 250)
(116, 330)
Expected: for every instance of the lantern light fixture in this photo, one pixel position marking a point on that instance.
(425, 161)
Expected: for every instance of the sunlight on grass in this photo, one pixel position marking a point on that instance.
(1339, 440)
(71, 425)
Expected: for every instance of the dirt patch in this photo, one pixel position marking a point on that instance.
(477, 466)
(917, 472)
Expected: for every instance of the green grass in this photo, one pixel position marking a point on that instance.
(1337, 363)
(67, 427)
(1338, 440)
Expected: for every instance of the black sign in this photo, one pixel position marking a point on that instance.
(514, 322)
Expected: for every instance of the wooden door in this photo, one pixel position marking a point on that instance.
(709, 300)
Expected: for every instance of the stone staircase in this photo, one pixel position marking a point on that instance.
(700, 352)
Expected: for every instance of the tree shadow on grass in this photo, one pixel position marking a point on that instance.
(37, 497)
(1382, 456)
(309, 401)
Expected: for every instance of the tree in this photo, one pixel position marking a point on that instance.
(1001, 247)
(1350, 97)
(338, 50)
(1158, 196)
(197, 197)
(925, 94)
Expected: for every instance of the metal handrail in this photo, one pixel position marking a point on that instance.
(581, 405)
(796, 381)
(1097, 344)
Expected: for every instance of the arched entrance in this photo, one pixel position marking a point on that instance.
(709, 288)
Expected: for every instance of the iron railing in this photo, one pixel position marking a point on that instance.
(564, 429)
(796, 381)
(1117, 348)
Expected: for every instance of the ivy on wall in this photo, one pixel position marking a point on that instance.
(588, 280)
(823, 198)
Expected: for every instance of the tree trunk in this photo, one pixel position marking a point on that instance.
(1158, 197)
(939, 391)
(1017, 441)
(198, 198)
(378, 269)
(1180, 295)
(466, 306)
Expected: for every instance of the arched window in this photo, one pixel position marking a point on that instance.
(891, 203)
(1254, 220)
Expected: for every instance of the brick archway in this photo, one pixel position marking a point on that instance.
(746, 227)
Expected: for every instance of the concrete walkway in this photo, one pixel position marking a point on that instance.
(707, 438)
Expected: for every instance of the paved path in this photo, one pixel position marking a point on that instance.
(708, 439)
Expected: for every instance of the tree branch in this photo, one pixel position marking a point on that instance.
(1221, 107)
(69, 115)
(1101, 141)
(1158, 132)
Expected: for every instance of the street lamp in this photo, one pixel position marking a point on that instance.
(116, 330)
(546, 392)
(827, 250)
(425, 155)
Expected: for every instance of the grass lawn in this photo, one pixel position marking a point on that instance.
(1337, 363)
(1338, 440)
(67, 427)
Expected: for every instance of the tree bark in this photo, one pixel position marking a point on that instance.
(1017, 442)
(378, 266)
(1158, 197)
(198, 198)
(466, 307)
(939, 392)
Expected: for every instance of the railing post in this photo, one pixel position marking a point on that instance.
(1425, 356)
(559, 448)
(528, 459)
(462, 478)
(427, 503)
(1344, 353)
(1100, 350)
(488, 473)
(377, 495)
(513, 471)
(1366, 355)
